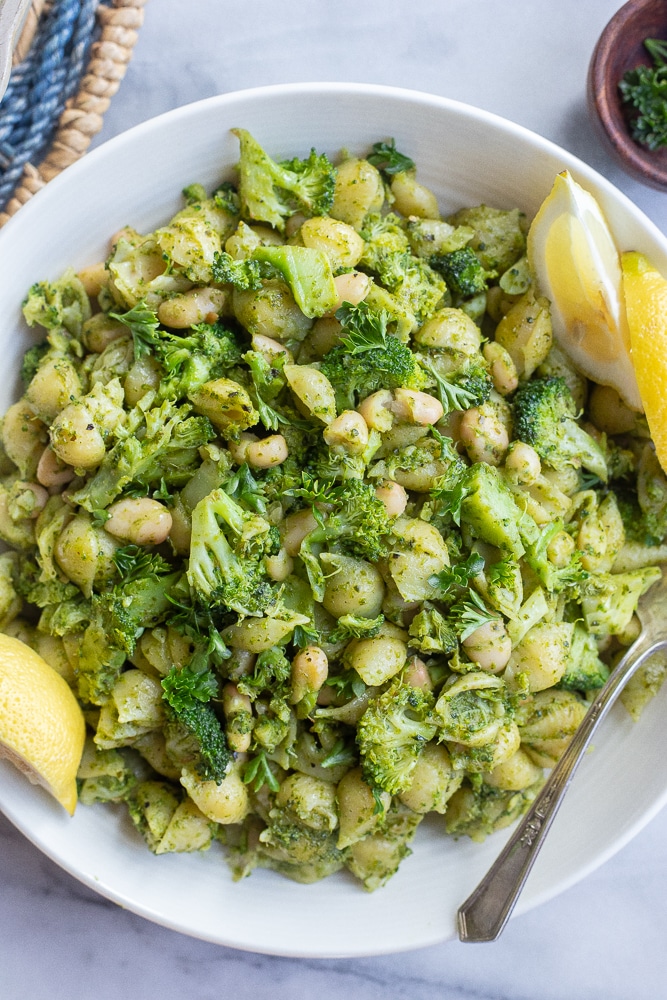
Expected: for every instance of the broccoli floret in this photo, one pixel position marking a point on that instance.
(62, 303)
(31, 360)
(418, 288)
(367, 358)
(272, 192)
(488, 507)
(307, 272)
(117, 619)
(226, 563)
(201, 739)
(269, 685)
(554, 578)
(247, 274)
(498, 240)
(609, 600)
(545, 418)
(462, 271)
(355, 521)
(470, 386)
(430, 632)
(392, 733)
(585, 670)
(207, 352)
(161, 444)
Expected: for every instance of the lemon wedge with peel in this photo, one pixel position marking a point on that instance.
(577, 267)
(645, 294)
(42, 728)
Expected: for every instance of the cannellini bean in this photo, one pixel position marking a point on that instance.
(489, 646)
(393, 496)
(502, 368)
(268, 452)
(93, 278)
(484, 435)
(239, 449)
(294, 529)
(376, 410)
(324, 335)
(76, 439)
(412, 198)
(415, 407)
(523, 463)
(271, 349)
(352, 287)
(142, 521)
(416, 674)
(310, 669)
(347, 433)
(51, 471)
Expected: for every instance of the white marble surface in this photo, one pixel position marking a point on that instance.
(602, 940)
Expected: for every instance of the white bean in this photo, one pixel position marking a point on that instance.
(415, 407)
(352, 287)
(51, 471)
(489, 646)
(376, 410)
(268, 452)
(502, 368)
(523, 463)
(142, 521)
(295, 527)
(393, 496)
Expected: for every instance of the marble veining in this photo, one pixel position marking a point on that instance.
(601, 940)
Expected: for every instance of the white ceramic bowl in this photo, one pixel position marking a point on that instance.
(467, 156)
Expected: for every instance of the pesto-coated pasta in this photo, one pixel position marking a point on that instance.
(323, 530)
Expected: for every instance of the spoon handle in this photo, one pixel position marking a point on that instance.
(484, 914)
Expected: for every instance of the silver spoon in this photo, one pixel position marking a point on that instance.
(484, 914)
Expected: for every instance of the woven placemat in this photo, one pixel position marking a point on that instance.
(69, 62)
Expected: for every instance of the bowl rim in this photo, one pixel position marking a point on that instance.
(538, 144)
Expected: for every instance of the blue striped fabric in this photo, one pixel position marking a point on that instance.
(41, 85)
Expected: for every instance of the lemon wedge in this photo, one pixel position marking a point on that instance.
(577, 267)
(645, 294)
(42, 728)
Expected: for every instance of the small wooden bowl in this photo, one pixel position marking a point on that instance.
(621, 48)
